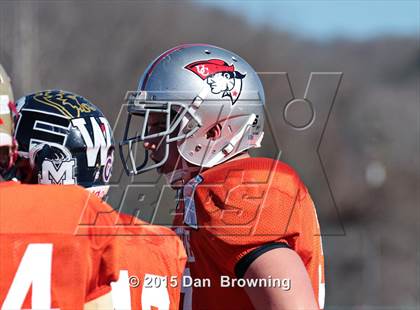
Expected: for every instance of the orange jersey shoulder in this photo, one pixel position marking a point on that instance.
(252, 198)
(38, 225)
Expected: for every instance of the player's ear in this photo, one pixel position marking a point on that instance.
(215, 132)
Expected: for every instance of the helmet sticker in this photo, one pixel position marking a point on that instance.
(219, 76)
(56, 165)
(65, 103)
(100, 142)
(107, 171)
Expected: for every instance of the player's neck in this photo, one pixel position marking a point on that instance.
(181, 182)
(239, 156)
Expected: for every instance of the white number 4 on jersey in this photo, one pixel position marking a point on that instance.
(34, 269)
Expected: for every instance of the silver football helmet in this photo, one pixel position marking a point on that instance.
(195, 87)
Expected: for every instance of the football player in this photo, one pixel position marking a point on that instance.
(8, 146)
(248, 224)
(65, 139)
(43, 265)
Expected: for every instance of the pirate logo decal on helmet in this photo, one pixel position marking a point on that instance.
(219, 76)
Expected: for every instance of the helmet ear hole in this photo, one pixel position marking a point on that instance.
(215, 132)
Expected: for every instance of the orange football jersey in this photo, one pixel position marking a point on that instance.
(43, 263)
(241, 207)
(152, 261)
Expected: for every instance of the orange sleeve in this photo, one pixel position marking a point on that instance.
(276, 219)
(309, 244)
(253, 216)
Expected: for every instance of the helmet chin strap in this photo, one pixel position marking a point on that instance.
(184, 174)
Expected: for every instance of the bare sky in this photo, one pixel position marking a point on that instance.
(330, 19)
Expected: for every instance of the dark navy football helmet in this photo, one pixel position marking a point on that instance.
(63, 139)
